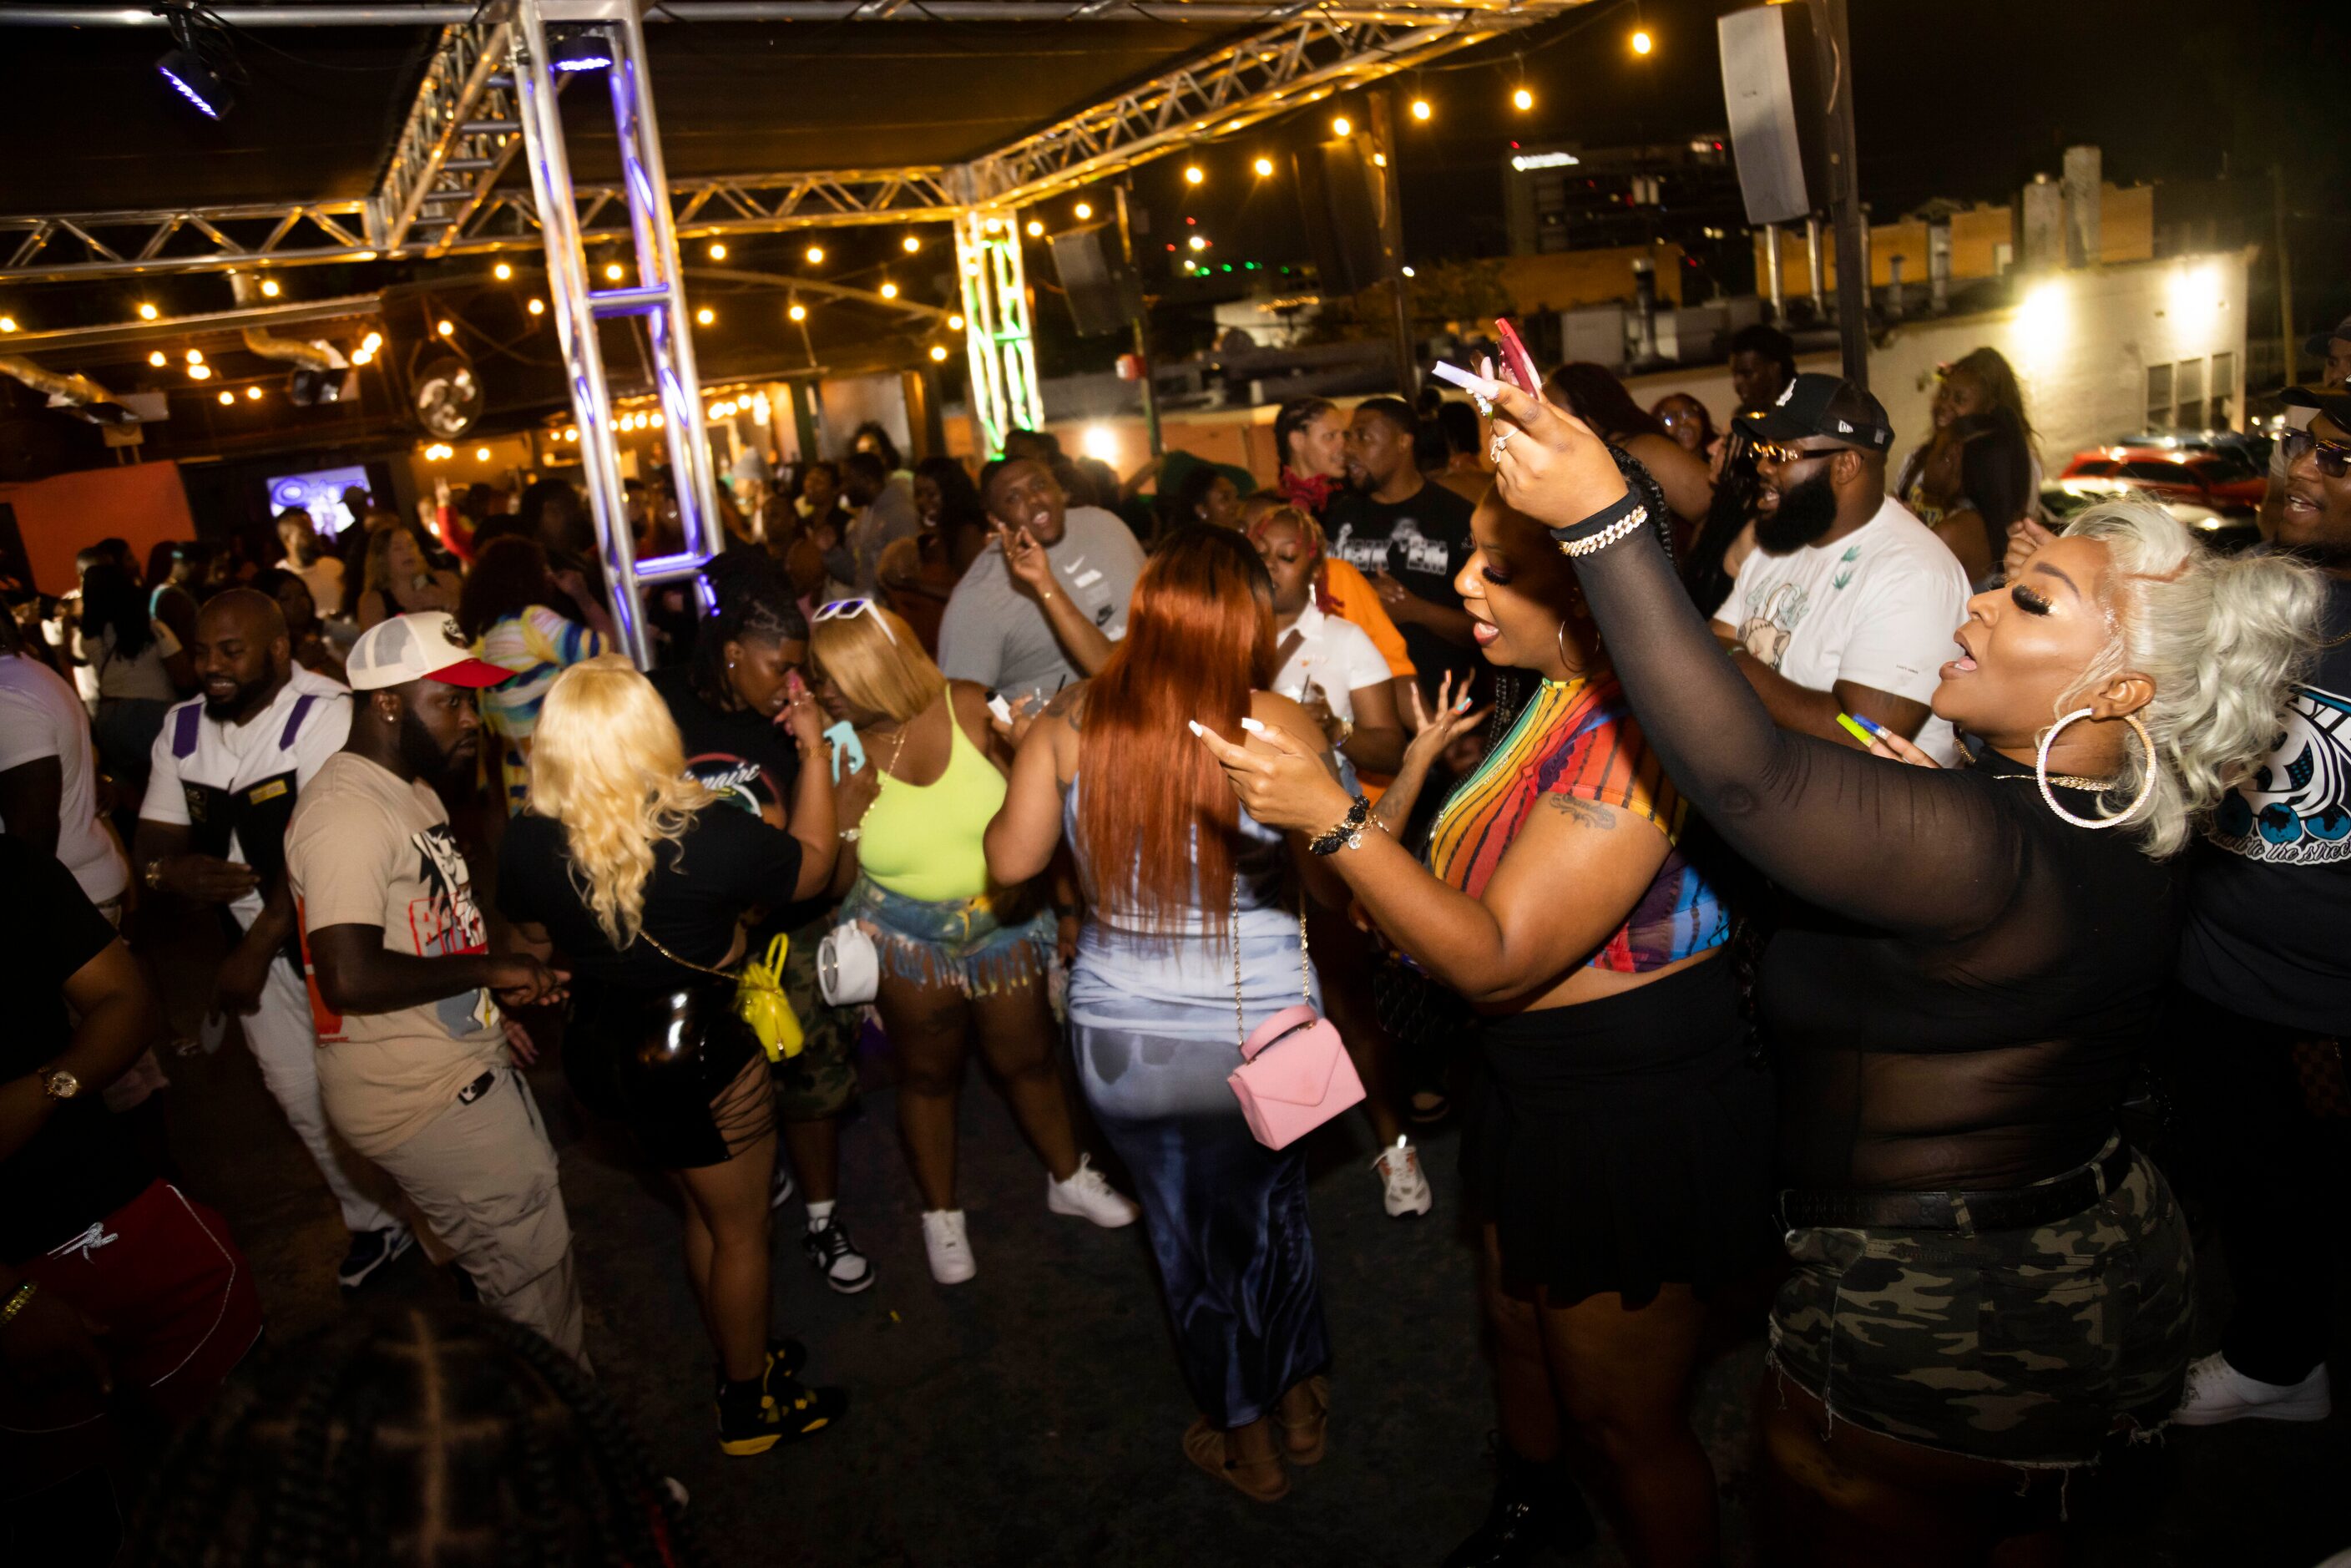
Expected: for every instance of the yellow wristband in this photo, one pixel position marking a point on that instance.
(16, 1300)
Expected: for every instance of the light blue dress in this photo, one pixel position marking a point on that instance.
(1152, 1024)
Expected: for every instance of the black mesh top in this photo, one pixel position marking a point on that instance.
(1956, 1003)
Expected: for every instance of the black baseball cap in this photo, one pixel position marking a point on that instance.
(2331, 401)
(2316, 343)
(1818, 405)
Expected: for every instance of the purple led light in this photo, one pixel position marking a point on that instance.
(204, 104)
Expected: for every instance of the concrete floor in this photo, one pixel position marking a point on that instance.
(1031, 1415)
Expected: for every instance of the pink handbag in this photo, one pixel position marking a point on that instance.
(1295, 1073)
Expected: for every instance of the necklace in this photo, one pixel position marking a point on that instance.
(2064, 780)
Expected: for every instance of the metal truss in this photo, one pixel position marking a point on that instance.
(1274, 72)
(462, 132)
(148, 242)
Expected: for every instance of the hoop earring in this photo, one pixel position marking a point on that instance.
(1566, 660)
(2146, 785)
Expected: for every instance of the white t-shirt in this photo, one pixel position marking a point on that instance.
(1878, 607)
(1338, 656)
(232, 756)
(41, 717)
(993, 634)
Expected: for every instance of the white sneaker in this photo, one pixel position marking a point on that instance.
(949, 1248)
(1404, 1190)
(1088, 1196)
(2218, 1392)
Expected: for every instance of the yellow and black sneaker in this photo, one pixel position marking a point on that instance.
(785, 1359)
(758, 1413)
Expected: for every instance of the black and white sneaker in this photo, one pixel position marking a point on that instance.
(836, 1257)
(780, 1193)
(370, 1251)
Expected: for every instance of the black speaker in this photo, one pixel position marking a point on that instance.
(1102, 290)
(1771, 93)
(1339, 207)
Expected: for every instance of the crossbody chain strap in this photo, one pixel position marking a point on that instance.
(688, 963)
(1305, 968)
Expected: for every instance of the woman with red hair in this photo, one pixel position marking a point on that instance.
(1193, 916)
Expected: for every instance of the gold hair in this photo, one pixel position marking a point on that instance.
(894, 678)
(606, 763)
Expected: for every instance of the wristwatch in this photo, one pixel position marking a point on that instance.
(60, 1085)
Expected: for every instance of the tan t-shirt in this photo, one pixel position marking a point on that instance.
(364, 847)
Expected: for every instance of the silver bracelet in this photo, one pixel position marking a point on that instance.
(1608, 536)
(850, 835)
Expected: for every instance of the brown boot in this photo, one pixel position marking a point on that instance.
(1263, 1479)
(1304, 1416)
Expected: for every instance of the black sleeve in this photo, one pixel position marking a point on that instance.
(759, 864)
(1908, 849)
(530, 854)
(52, 929)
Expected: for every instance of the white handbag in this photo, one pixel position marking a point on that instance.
(848, 968)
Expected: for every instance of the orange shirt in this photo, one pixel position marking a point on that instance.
(1358, 600)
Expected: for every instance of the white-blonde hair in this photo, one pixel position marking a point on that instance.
(2222, 637)
(606, 763)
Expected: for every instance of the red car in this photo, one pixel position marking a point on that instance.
(2220, 480)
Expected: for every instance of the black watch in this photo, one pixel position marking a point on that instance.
(1347, 834)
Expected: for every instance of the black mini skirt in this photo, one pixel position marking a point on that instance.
(1624, 1144)
(668, 1067)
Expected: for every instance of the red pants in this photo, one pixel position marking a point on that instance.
(177, 1309)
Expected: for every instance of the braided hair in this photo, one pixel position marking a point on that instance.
(755, 603)
(418, 1435)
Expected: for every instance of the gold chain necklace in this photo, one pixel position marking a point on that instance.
(2064, 780)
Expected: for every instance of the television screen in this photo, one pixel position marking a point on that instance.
(320, 494)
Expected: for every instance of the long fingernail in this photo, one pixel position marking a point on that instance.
(1252, 727)
(1194, 726)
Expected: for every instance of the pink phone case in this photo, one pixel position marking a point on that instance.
(1516, 359)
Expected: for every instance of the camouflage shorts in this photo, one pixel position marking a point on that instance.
(822, 1080)
(2029, 1347)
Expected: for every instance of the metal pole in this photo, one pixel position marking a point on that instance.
(1833, 55)
(1383, 162)
(2285, 269)
(1813, 272)
(1142, 328)
(574, 326)
(1774, 285)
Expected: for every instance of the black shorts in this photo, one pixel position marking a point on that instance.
(668, 1067)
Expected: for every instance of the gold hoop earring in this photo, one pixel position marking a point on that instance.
(2145, 787)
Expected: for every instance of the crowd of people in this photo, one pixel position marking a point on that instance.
(1788, 857)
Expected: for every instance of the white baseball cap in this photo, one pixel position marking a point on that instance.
(423, 646)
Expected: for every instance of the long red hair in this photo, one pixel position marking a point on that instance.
(1200, 640)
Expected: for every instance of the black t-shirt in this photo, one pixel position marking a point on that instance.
(728, 863)
(1422, 542)
(2268, 899)
(750, 762)
(80, 1166)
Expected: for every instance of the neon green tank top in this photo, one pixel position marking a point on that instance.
(923, 841)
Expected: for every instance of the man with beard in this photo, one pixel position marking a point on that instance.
(2268, 981)
(1040, 607)
(1849, 604)
(414, 1053)
(1409, 538)
(224, 779)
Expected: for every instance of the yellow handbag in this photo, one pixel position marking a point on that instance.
(759, 999)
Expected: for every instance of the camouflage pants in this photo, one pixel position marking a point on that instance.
(822, 1080)
(2029, 1347)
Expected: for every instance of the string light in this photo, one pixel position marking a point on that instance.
(1194, 174)
(146, 312)
(361, 356)
(1197, 242)
(571, 434)
(889, 292)
(1264, 167)
(481, 455)
(538, 306)
(7, 323)
(253, 394)
(911, 245)
(657, 422)
(718, 250)
(1420, 109)
(227, 397)
(954, 323)
(1036, 229)
(1342, 126)
(502, 271)
(446, 328)
(269, 287)
(157, 359)
(815, 254)
(195, 356)
(612, 271)
(705, 317)
(371, 342)
(1523, 100)
(1082, 211)
(799, 312)
(1642, 42)
(200, 373)
(938, 354)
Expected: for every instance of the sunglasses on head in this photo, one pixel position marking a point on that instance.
(1783, 454)
(2334, 456)
(848, 609)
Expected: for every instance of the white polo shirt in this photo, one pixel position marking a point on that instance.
(41, 717)
(307, 723)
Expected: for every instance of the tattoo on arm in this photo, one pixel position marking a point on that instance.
(1067, 704)
(1584, 813)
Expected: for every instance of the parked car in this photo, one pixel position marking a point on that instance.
(2220, 480)
(2222, 530)
(2252, 445)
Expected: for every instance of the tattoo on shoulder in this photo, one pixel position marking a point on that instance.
(1069, 705)
(1584, 813)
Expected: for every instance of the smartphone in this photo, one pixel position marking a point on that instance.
(1516, 359)
(999, 707)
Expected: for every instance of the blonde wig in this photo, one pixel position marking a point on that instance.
(2222, 638)
(606, 763)
(874, 660)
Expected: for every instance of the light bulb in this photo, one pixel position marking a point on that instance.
(938, 354)
(371, 342)
(717, 251)
(1036, 229)
(612, 271)
(1523, 100)
(269, 287)
(146, 312)
(954, 323)
(705, 316)
(446, 328)
(889, 292)
(7, 323)
(253, 394)
(1193, 174)
(481, 455)
(200, 373)
(502, 271)
(195, 356)
(1082, 211)
(1264, 167)
(361, 356)
(1642, 42)
(226, 397)
(572, 434)
(538, 306)
(1197, 242)
(1342, 126)
(1420, 109)
(658, 421)
(156, 359)
(815, 254)
(799, 312)
(911, 244)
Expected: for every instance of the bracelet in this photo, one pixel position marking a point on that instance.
(16, 1300)
(1348, 834)
(1604, 527)
(850, 835)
